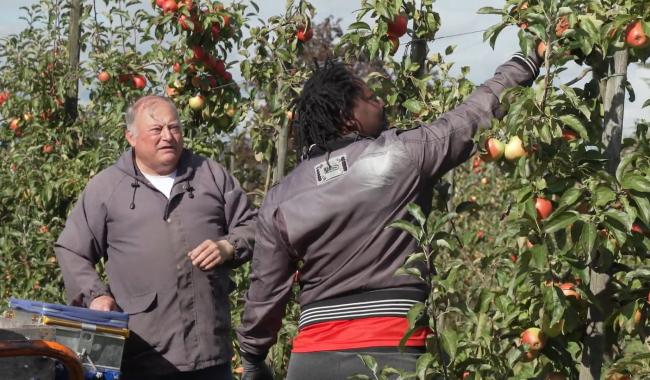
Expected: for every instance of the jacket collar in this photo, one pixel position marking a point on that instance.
(184, 169)
(332, 145)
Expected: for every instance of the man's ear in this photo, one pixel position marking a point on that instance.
(129, 137)
(349, 126)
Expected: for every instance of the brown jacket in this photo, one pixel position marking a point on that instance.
(179, 315)
(333, 217)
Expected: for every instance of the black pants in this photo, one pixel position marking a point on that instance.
(335, 365)
(218, 372)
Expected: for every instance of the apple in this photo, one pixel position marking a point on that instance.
(494, 148)
(227, 76)
(14, 124)
(47, 148)
(541, 49)
(561, 26)
(484, 181)
(636, 228)
(635, 36)
(231, 111)
(170, 6)
(544, 208)
(176, 67)
(568, 289)
(394, 44)
(199, 53)
(171, 91)
(28, 117)
(289, 115)
(568, 135)
(215, 30)
(4, 96)
(304, 35)
(638, 316)
(197, 102)
(514, 149)
(535, 339)
(160, 3)
(397, 27)
(226, 22)
(103, 76)
(139, 81)
(466, 374)
(480, 234)
(182, 21)
(189, 4)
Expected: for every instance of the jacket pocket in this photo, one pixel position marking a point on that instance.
(138, 304)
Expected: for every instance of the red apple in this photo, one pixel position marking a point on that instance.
(199, 53)
(171, 91)
(535, 339)
(569, 135)
(541, 49)
(139, 81)
(544, 208)
(160, 3)
(48, 148)
(215, 30)
(561, 26)
(4, 96)
(636, 228)
(304, 35)
(568, 289)
(394, 44)
(397, 27)
(104, 76)
(182, 21)
(635, 36)
(170, 6)
(494, 148)
(176, 67)
(14, 124)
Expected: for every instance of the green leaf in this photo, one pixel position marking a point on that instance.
(570, 197)
(359, 25)
(603, 195)
(625, 162)
(622, 220)
(587, 239)
(415, 231)
(449, 339)
(642, 207)
(413, 105)
(636, 182)
(575, 124)
(560, 221)
(490, 11)
(417, 213)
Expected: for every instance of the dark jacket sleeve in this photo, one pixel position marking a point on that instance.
(447, 142)
(240, 216)
(271, 277)
(80, 247)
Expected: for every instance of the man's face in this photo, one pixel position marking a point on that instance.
(158, 138)
(369, 115)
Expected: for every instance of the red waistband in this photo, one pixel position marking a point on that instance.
(357, 333)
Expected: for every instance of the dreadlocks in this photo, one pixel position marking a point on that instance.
(325, 104)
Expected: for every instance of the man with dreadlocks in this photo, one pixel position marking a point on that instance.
(328, 217)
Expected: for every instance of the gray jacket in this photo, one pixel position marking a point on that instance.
(179, 315)
(331, 214)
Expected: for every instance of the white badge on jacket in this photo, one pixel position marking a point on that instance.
(331, 169)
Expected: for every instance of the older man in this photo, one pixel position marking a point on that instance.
(170, 225)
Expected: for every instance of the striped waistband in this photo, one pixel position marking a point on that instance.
(394, 302)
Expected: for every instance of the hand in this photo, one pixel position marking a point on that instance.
(103, 303)
(209, 254)
(255, 369)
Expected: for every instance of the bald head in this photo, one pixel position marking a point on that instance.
(143, 104)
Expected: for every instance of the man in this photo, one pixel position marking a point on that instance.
(170, 225)
(330, 214)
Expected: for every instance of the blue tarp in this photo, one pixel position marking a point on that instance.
(72, 313)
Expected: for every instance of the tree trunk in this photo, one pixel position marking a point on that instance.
(74, 51)
(597, 348)
(281, 148)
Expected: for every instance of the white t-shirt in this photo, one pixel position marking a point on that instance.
(163, 183)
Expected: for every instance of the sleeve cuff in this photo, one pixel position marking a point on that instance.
(532, 62)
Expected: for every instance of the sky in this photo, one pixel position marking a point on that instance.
(457, 17)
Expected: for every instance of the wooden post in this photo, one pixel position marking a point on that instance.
(72, 94)
(597, 348)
